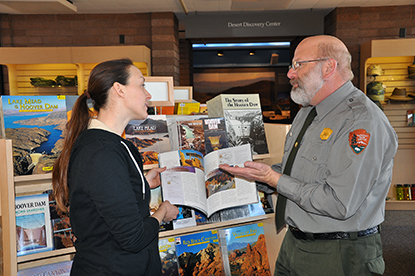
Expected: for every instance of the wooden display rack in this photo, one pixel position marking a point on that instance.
(12, 186)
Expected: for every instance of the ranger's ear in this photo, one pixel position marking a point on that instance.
(329, 67)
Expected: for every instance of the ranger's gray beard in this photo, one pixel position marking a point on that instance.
(307, 87)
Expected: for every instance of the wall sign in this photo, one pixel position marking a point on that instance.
(278, 23)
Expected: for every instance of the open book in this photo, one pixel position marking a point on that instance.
(195, 180)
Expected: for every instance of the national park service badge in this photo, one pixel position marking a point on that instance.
(358, 140)
(325, 134)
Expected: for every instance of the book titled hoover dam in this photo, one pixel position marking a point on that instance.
(33, 225)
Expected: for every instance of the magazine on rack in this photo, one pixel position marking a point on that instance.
(36, 125)
(244, 122)
(200, 254)
(150, 136)
(204, 135)
(244, 250)
(168, 257)
(33, 225)
(196, 181)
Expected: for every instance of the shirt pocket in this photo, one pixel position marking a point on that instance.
(313, 162)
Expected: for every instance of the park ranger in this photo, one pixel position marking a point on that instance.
(336, 170)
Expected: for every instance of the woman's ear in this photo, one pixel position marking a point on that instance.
(329, 67)
(118, 89)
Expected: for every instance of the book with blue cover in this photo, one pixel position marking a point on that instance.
(33, 224)
(36, 125)
(199, 254)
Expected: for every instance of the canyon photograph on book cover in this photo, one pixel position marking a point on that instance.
(36, 125)
(199, 254)
(246, 250)
(150, 136)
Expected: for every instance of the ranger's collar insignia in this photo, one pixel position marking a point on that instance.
(325, 134)
(358, 140)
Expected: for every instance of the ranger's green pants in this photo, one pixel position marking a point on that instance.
(359, 257)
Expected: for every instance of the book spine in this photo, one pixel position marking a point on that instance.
(215, 107)
(224, 252)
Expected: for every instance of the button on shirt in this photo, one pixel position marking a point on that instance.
(335, 186)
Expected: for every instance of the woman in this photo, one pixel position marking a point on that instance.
(100, 176)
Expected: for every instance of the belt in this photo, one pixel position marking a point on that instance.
(297, 233)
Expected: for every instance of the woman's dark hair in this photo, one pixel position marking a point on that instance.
(100, 81)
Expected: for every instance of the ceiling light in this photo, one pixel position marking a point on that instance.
(242, 45)
(252, 53)
(220, 53)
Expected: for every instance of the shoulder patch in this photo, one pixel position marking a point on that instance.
(358, 140)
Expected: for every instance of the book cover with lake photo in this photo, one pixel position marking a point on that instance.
(36, 125)
(150, 136)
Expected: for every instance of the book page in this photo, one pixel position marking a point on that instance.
(225, 190)
(183, 183)
(184, 186)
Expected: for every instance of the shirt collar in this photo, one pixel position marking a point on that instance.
(334, 99)
(97, 124)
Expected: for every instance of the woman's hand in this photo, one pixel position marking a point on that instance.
(166, 212)
(153, 177)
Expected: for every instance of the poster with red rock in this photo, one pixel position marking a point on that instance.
(199, 254)
(244, 250)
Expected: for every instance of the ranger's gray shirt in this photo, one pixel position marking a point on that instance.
(343, 169)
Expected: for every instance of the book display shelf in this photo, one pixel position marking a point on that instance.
(12, 186)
